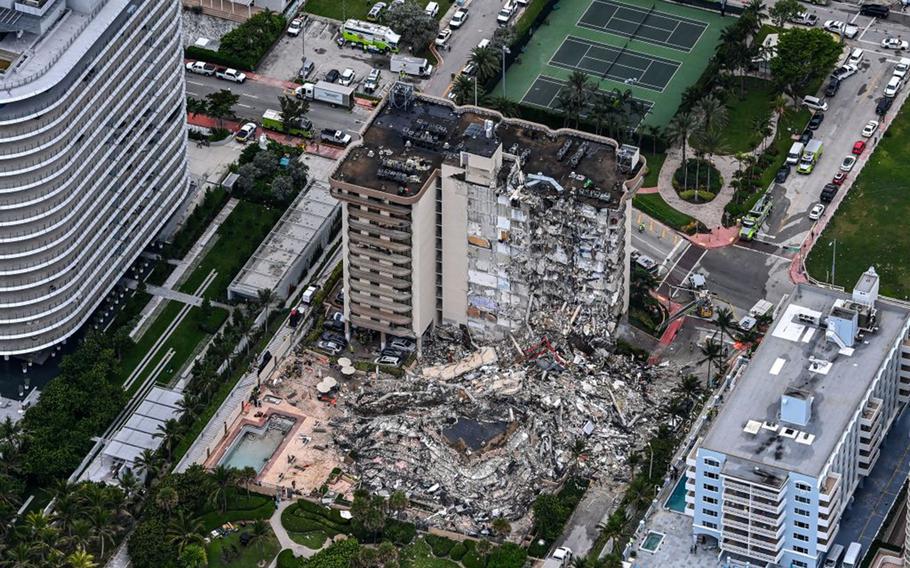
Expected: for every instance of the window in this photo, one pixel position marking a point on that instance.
(801, 525)
(710, 500)
(710, 513)
(800, 537)
(711, 462)
(799, 564)
(801, 499)
(710, 525)
(802, 512)
(803, 486)
(712, 475)
(710, 487)
(801, 550)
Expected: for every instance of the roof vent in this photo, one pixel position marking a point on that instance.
(865, 292)
(842, 327)
(795, 408)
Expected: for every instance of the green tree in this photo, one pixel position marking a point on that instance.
(725, 321)
(678, 131)
(803, 55)
(573, 99)
(506, 106)
(169, 430)
(417, 28)
(549, 516)
(712, 353)
(293, 110)
(486, 63)
(167, 499)
(223, 478)
(184, 530)
(387, 555)
(463, 90)
(149, 463)
(501, 527)
(103, 527)
(245, 478)
(398, 502)
(79, 558)
(509, 555)
(194, 556)
(259, 533)
(220, 105)
(785, 10)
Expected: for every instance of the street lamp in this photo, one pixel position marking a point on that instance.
(833, 245)
(505, 51)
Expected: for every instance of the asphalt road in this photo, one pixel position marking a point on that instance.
(256, 97)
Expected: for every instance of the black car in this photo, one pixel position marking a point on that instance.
(333, 325)
(884, 104)
(832, 88)
(815, 121)
(332, 336)
(875, 10)
(332, 75)
(782, 173)
(805, 136)
(828, 192)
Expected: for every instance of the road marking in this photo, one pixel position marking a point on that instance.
(686, 277)
(192, 94)
(196, 83)
(243, 105)
(248, 96)
(672, 268)
(771, 254)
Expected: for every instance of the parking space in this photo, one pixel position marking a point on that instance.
(614, 63)
(649, 25)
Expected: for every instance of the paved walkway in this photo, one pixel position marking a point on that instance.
(315, 148)
(283, 538)
(171, 294)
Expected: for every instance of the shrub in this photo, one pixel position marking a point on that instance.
(251, 40)
(400, 532)
(440, 545)
(339, 555)
(701, 174)
(193, 52)
(286, 559)
(701, 197)
(458, 551)
(473, 560)
(509, 555)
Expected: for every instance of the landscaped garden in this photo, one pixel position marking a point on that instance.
(869, 225)
(698, 181)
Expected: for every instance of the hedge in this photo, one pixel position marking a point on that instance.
(286, 559)
(458, 551)
(400, 532)
(440, 545)
(509, 555)
(216, 57)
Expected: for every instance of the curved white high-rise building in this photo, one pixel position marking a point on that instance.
(92, 154)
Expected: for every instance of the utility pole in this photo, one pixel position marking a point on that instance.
(505, 51)
(833, 259)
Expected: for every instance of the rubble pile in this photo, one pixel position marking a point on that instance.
(486, 442)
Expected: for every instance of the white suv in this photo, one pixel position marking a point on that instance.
(815, 103)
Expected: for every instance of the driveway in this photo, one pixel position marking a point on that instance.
(581, 531)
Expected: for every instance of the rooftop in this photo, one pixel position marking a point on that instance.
(404, 146)
(797, 359)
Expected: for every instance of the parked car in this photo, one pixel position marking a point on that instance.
(817, 210)
(828, 193)
(201, 68)
(469, 70)
(855, 56)
(902, 67)
(815, 103)
(443, 36)
(848, 163)
(505, 14)
(844, 71)
(431, 9)
(895, 43)
(782, 174)
(295, 28)
(883, 105)
(859, 146)
(332, 75)
(372, 82)
(832, 87)
(330, 347)
(805, 19)
(870, 128)
(246, 133)
(230, 75)
(805, 137)
(839, 178)
(458, 18)
(332, 336)
(376, 11)
(894, 85)
(875, 10)
(306, 69)
(816, 121)
(837, 27)
(347, 77)
(402, 344)
(391, 360)
(333, 325)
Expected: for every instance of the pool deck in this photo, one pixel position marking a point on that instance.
(304, 459)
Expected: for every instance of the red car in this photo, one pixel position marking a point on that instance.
(839, 178)
(859, 147)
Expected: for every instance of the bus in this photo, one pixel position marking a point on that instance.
(755, 218)
(271, 119)
(369, 36)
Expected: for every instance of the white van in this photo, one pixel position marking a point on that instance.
(855, 56)
(815, 103)
(505, 14)
(308, 295)
(796, 151)
(834, 555)
(852, 558)
(483, 43)
(432, 9)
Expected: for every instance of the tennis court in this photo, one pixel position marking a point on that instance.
(652, 48)
(620, 64)
(650, 25)
(545, 92)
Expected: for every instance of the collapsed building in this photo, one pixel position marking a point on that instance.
(502, 248)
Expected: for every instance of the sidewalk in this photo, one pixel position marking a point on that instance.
(282, 535)
(710, 213)
(204, 121)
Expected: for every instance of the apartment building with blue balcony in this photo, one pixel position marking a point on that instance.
(92, 154)
(802, 426)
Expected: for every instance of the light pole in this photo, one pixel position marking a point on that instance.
(833, 245)
(505, 51)
(651, 462)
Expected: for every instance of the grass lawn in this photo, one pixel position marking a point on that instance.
(229, 553)
(357, 9)
(653, 205)
(869, 224)
(655, 162)
(240, 507)
(238, 238)
(311, 539)
(135, 301)
(745, 113)
(419, 555)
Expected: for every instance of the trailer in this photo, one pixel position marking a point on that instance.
(417, 66)
(325, 92)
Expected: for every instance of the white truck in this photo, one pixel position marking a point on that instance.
(201, 68)
(337, 137)
(417, 66)
(325, 92)
(560, 558)
(230, 75)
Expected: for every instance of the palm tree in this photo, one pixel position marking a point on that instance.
(398, 502)
(725, 322)
(574, 97)
(81, 559)
(223, 478)
(486, 62)
(10, 433)
(616, 522)
(260, 532)
(678, 131)
(387, 554)
(710, 144)
(506, 106)
(66, 510)
(245, 478)
(169, 430)
(656, 133)
(639, 492)
(19, 556)
(149, 463)
(166, 499)
(129, 482)
(711, 113)
(483, 547)
(183, 530)
(103, 528)
(463, 88)
(501, 527)
(292, 111)
(712, 353)
(80, 533)
(601, 111)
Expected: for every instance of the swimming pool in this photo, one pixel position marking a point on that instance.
(677, 500)
(254, 445)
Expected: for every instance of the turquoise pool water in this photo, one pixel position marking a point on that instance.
(677, 499)
(253, 447)
(652, 541)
